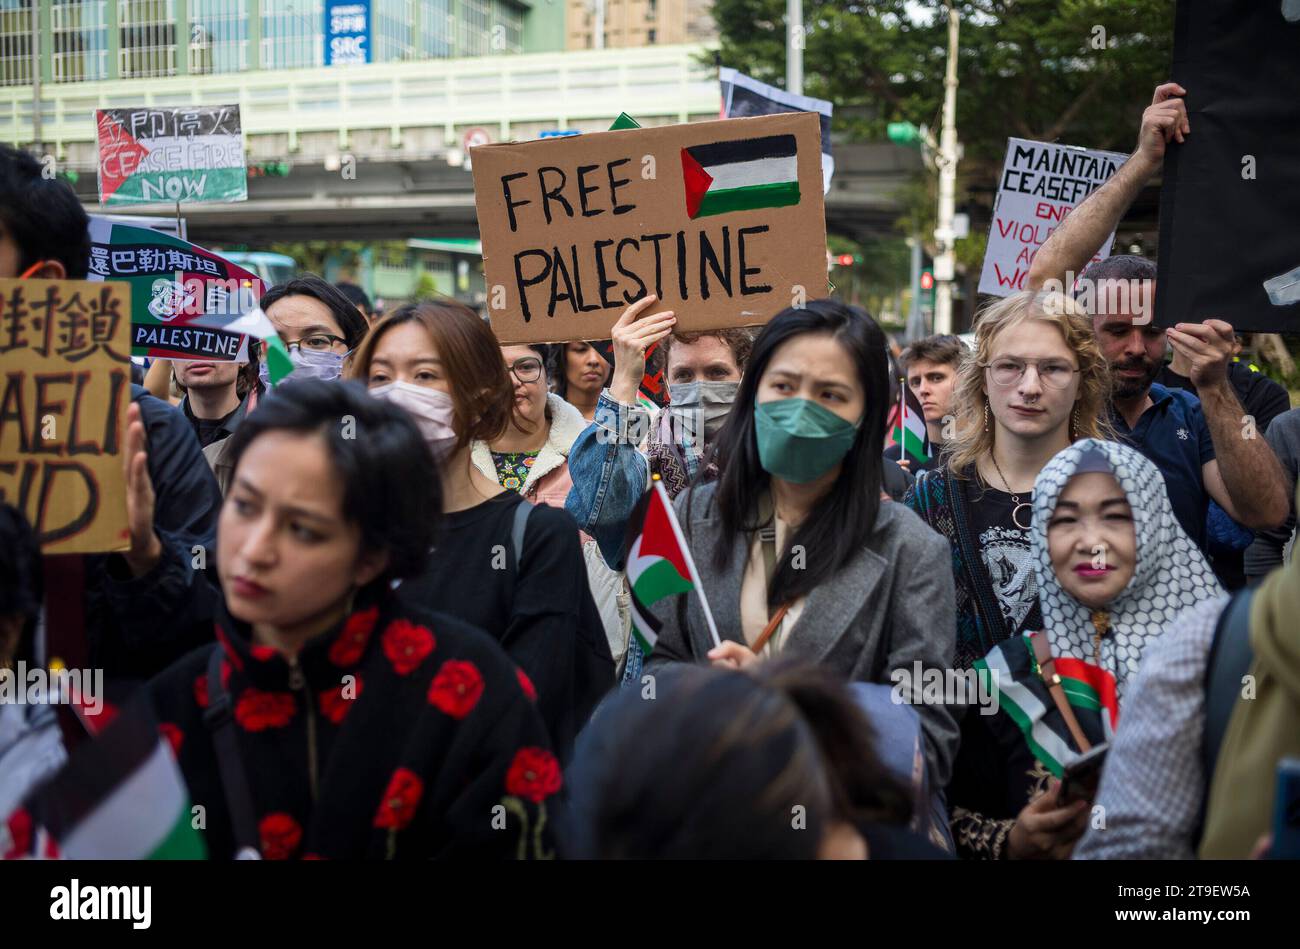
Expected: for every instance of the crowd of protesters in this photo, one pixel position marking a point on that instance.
(380, 609)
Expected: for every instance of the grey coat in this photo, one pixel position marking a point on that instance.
(889, 607)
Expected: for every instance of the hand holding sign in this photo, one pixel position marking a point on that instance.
(1207, 347)
(1164, 120)
(145, 550)
(632, 338)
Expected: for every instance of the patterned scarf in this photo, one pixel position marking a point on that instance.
(1171, 574)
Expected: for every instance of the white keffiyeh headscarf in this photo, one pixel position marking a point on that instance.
(1170, 575)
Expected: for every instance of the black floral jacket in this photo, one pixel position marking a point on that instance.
(400, 734)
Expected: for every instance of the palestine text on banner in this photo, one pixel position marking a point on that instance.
(723, 221)
(165, 155)
(184, 297)
(67, 375)
(120, 796)
(744, 96)
(1040, 184)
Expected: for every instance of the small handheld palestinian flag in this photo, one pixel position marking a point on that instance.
(909, 428)
(744, 96)
(659, 565)
(741, 175)
(120, 797)
(258, 325)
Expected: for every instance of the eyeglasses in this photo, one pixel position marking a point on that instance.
(320, 343)
(526, 370)
(1007, 371)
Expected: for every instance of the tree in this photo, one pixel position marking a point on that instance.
(1075, 71)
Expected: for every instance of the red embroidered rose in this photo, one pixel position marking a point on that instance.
(397, 809)
(334, 704)
(280, 835)
(263, 653)
(526, 684)
(456, 688)
(347, 649)
(406, 645)
(173, 735)
(17, 842)
(257, 710)
(534, 774)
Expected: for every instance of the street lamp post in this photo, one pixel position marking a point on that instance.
(794, 46)
(944, 262)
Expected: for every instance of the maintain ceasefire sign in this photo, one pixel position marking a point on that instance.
(1041, 183)
(723, 221)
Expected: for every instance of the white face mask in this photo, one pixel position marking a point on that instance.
(432, 410)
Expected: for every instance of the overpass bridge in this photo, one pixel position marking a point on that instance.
(378, 151)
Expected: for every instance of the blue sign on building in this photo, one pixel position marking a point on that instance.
(347, 32)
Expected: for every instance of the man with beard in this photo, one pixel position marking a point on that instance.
(1199, 444)
(211, 405)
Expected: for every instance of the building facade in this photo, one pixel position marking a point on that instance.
(620, 24)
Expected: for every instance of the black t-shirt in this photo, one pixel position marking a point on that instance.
(1005, 554)
(541, 611)
(209, 430)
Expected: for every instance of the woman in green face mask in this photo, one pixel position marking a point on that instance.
(796, 550)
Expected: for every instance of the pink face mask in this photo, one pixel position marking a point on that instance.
(432, 410)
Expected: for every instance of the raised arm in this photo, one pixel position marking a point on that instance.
(1073, 244)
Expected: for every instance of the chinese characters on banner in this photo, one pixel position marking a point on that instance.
(65, 347)
(347, 32)
(150, 155)
(182, 295)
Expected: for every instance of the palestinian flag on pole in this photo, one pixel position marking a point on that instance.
(909, 426)
(1010, 675)
(258, 325)
(744, 96)
(120, 797)
(741, 175)
(659, 564)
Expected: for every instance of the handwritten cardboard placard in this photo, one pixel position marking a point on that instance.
(65, 348)
(1041, 183)
(149, 155)
(723, 221)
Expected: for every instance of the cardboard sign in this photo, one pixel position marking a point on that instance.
(182, 295)
(723, 221)
(1230, 193)
(65, 346)
(170, 155)
(1041, 183)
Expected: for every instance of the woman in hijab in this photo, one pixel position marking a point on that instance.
(1113, 569)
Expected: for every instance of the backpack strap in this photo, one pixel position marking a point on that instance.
(220, 722)
(1229, 660)
(518, 529)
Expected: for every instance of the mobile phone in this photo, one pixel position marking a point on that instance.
(1082, 775)
(1286, 812)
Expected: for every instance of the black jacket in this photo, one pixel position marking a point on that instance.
(398, 734)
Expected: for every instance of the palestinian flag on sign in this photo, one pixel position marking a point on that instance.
(658, 562)
(1011, 676)
(909, 426)
(741, 175)
(120, 797)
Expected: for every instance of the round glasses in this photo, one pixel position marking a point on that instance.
(526, 370)
(1007, 371)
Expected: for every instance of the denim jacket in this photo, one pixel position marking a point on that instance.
(609, 474)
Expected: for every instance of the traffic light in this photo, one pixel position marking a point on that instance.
(845, 260)
(904, 133)
(927, 280)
